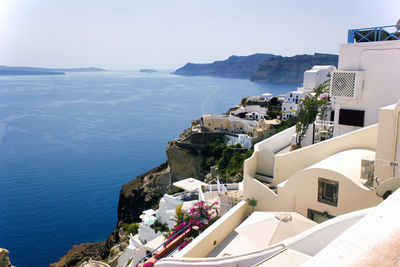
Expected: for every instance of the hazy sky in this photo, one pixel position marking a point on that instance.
(165, 34)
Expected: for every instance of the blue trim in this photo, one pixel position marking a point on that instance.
(374, 34)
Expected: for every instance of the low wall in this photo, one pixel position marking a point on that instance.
(202, 245)
(254, 189)
(289, 163)
(266, 150)
(231, 186)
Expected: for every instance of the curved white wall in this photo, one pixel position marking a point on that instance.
(300, 193)
(289, 163)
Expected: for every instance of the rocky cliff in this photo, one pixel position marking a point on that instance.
(290, 69)
(142, 193)
(234, 67)
(261, 67)
(80, 253)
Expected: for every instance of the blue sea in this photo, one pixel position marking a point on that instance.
(68, 143)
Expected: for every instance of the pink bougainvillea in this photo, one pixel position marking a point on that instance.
(199, 215)
(148, 264)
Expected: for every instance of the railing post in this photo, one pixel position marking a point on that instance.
(350, 37)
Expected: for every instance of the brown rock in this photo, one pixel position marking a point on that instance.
(80, 253)
(142, 193)
(184, 163)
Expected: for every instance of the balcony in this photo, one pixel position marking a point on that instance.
(374, 34)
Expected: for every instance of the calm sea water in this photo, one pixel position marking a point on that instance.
(68, 144)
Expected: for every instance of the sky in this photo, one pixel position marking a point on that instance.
(166, 34)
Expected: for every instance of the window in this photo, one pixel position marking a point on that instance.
(328, 191)
(351, 117)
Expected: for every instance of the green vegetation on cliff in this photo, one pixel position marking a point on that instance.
(229, 159)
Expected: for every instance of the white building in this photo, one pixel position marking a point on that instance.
(250, 109)
(312, 79)
(254, 116)
(291, 105)
(377, 66)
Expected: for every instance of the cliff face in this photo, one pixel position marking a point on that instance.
(142, 193)
(184, 162)
(290, 69)
(80, 253)
(242, 67)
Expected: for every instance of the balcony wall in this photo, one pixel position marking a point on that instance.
(289, 163)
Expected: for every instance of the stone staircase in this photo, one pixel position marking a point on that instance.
(266, 180)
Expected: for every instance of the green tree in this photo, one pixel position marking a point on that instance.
(313, 104)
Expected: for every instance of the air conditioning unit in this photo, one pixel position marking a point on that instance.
(347, 84)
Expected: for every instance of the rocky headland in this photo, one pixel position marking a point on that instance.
(260, 67)
(242, 67)
(290, 69)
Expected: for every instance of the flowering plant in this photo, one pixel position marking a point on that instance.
(197, 217)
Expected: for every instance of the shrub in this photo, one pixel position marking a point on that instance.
(228, 160)
(132, 228)
(252, 202)
(175, 190)
(159, 226)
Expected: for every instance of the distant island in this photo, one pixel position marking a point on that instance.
(260, 67)
(6, 70)
(147, 70)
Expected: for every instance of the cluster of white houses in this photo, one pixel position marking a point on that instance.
(312, 79)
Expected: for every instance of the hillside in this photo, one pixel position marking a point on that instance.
(242, 67)
(290, 69)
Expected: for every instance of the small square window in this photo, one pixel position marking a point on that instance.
(328, 191)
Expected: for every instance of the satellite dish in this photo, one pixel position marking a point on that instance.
(389, 185)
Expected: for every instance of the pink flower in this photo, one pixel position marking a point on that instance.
(148, 264)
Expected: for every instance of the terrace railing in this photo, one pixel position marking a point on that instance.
(374, 34)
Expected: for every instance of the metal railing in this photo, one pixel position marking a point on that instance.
(374, 34)
(148, 255)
